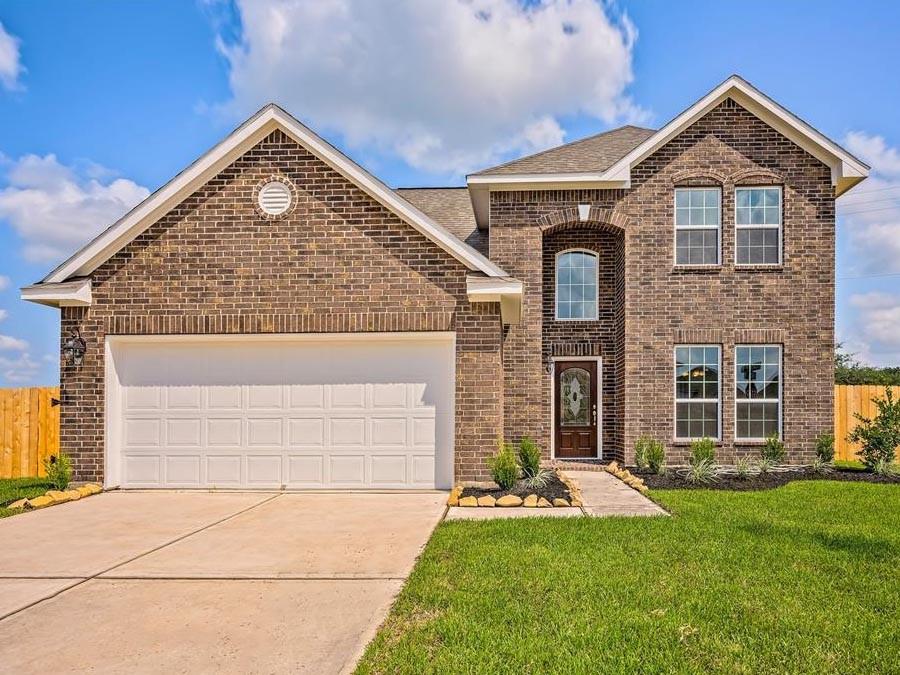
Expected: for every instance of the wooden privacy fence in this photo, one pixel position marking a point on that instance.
(29, 430)
(850, 399)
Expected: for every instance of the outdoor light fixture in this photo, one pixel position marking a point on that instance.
(74, 348)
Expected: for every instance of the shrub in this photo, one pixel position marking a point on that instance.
(702, 471)
(820, 465)
(503, 466)
(825, 447)
(765, 465)
(650, 455)
(539, 479)
(885, 468)
(529, 456)
(743, 468)
(703, 449)
(59, 470)
(773, 449)
(878, 436)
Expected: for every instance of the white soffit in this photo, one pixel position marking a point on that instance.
(68, 294)
(506, 291)
(215, 160)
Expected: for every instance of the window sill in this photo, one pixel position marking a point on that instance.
(694, 269)
(759, 268)
(687, 442)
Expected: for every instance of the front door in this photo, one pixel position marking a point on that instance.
(576, 408)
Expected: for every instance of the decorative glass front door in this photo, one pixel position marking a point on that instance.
(576, 408)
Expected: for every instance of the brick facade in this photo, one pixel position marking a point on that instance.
(340, 262)
(336, 262)
(658, 305)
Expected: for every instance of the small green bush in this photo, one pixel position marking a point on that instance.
(885, 468)
(878, 436)
(703, 449)
(529, 457)
(825, 447)
(59, 470)
(773, 449)
(539, 479)
(503, 466)
(650, 455)
(702, 471)
(743, 468)
(765, 465)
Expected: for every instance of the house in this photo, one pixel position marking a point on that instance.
(277, 316)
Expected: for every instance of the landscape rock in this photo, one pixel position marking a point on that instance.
(487, 500)
(509, 500)
(543, 503)
(576, 501)
(612, 467)
(94, 488)
(72, 494)
(58, 496)
(84, 491)
(468, 501)
(559, 501)
(453, 499)
(19, 504)
(531, 501)
(39, 502)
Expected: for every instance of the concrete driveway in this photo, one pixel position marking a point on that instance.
(203, 582)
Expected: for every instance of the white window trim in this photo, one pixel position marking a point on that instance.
(767, 226)
(779, 400)
(677, 227)
(718, 401)
(596, 257)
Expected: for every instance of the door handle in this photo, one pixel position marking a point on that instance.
(594, 412)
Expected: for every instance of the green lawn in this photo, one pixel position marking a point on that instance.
(805, 578)
(12, 489)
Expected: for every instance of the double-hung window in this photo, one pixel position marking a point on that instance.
(758, 391)
(757, 218)
(697, 391)
(697, 226)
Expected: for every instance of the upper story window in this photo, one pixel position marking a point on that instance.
(576, 285)
(757, 218)
(697, 226)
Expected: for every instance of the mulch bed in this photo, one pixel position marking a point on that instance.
(553, 489)
(672, 481)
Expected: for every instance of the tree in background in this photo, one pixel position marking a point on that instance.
(847, 370)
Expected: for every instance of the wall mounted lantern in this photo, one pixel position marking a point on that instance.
(74, 348)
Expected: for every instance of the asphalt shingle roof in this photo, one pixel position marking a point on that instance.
(451, 208)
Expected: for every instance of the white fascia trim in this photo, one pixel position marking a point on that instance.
(508, 292)
(846, 170)
(68, 294)
(242, 139)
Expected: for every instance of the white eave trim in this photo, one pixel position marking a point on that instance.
(67, 294)
(215, 160)
(846, 170)
(506, 291)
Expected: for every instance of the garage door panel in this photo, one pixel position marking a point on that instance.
(264, 470)
(224, 431)
(347, 470)
(306, 470)
(306, 431)
(182, 470)
(265, 414)
(224, 470)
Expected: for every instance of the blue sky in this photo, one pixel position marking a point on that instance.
(103, 101)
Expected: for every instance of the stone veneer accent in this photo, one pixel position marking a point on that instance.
(336, 262)
(661, 305)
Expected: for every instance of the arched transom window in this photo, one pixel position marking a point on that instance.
(576, 285)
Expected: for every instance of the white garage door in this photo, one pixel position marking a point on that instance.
(325, 412)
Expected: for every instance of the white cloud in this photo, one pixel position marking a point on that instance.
(21, 369)
(8, 343)
(4, 315)
(56, 208)
(872, 212)
(446, 85)
(10, 60)
(877, 329)
(4, 282)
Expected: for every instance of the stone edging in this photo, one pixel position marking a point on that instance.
(626, 477)
(52, 497)
(511, 501)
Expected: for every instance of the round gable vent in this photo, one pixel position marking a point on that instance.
(274, 198)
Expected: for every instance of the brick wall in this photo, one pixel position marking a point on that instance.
(336, 262)
(662, 305)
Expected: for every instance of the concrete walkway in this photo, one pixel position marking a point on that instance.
(205, 582)
(602, 494)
